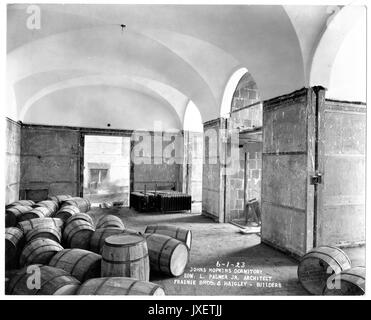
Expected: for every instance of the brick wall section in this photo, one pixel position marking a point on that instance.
(246, 92)
(12, 156)
(245, 186)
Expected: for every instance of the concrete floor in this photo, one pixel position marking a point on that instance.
(219, 253)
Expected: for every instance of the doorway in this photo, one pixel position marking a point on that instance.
(106, 169)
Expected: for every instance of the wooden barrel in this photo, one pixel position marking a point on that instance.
(20, 203)
(53, 281)
(318, 265)
(52, 205)
(28, 225)
(98, 237)
(14, 242)
(39, 212)
(110, 221)
(47, 232)
(40, 250)
(120, 286)
(178, 233)
(80, 216)
(350, 282)
(83, 204)
(125, 255)
(77, 234)
(166, 254)
(13, 214)
(60, 198)
(66, 212)
(81, 264)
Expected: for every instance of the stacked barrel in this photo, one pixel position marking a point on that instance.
(327, 270)
(55, 247)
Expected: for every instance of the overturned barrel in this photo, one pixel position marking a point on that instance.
(28, 225)
(120, 286)
(166, 254)
(39, 251)
(51, 205)
(178, 233)
(53, 281)
(66, 212)
(83, 204)
(80, 216)
(13, 215)
(14, 241)
(110, 221)
(39, 212)
(316, 267)
(59, 198)
(47, 232)
(20, 203)
(77, 234)
(350, 282)
(81, 264)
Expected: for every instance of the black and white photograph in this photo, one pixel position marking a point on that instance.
(184, 150)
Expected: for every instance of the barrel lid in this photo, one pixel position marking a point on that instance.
(120, 240)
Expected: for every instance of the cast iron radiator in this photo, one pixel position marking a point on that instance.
(163, 201)
(173, 201)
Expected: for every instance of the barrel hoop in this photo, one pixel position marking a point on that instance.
(341, 251)
(325, 254)
(45, 245)
(51, 279)
(131, 287)
(101, 285)
(353, 275)
(78, 260)
(177, 233)
(160, 253)
(20, 277)
(125, 262)
(73, 281)
(99, 240)
(60, 257)
(152, 292)
(71, 234)
(131, 244)
(15, 235)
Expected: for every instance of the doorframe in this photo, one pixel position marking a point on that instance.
(98, 132)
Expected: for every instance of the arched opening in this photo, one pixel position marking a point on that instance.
(193, 155)
(244, 187)
(229, 90)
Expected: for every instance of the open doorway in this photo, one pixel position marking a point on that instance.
(242, 107)
(193, 156)
(106, 172)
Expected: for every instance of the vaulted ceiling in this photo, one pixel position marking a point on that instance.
(82, 68)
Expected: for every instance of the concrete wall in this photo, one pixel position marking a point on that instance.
(12, 160)
(50, 160)
(157, 158)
